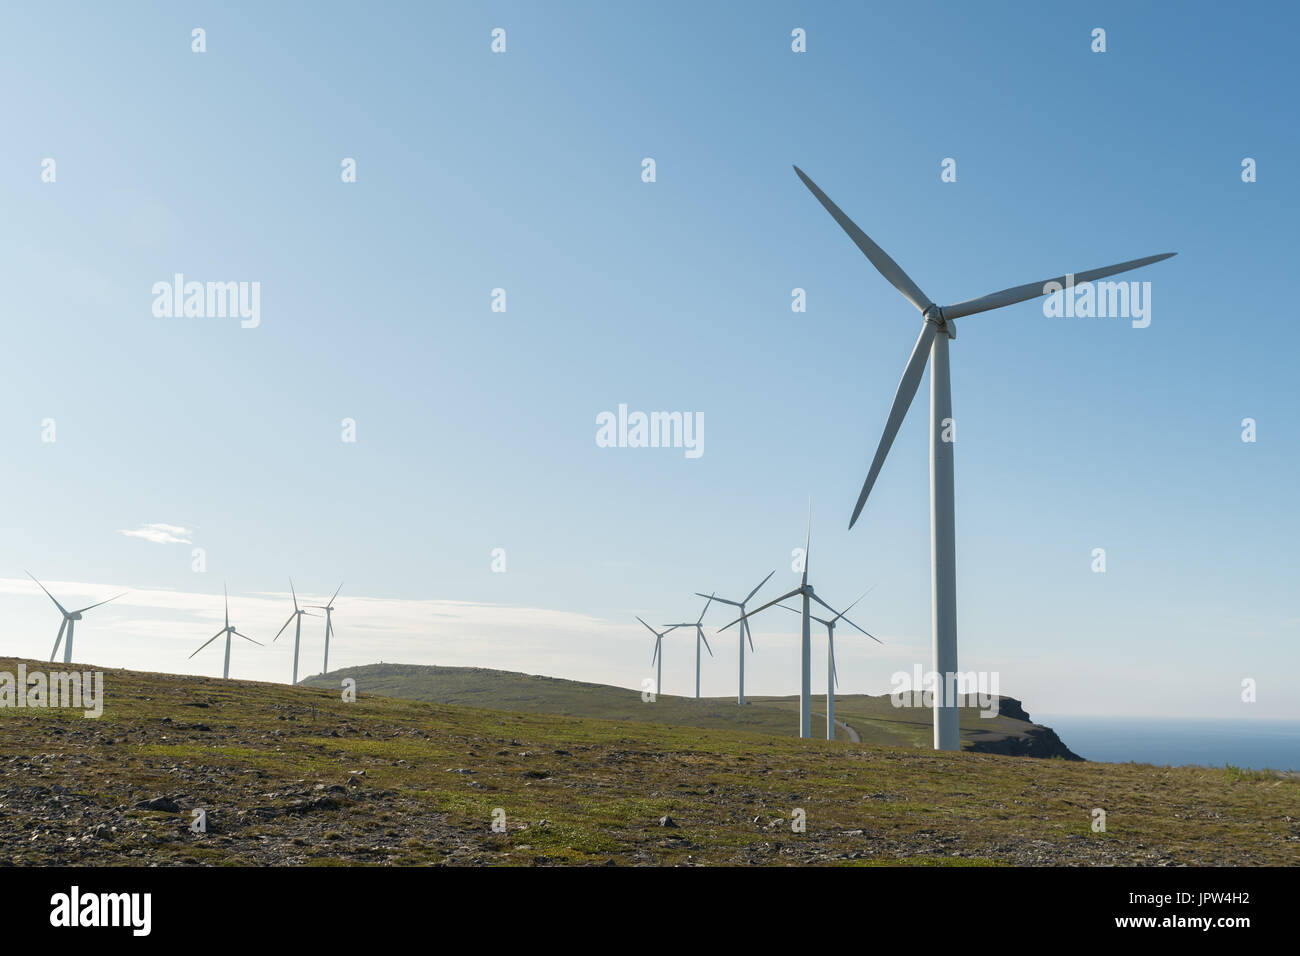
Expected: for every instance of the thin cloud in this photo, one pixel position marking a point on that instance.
(161, 533)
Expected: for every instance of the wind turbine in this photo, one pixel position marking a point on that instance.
(70, 619)
(227, 630)
(699, 636)
(328, 608)
(658, 654)
(805, 592)
(297, 631)
(745, 635)
(833, 678)
(930, 343)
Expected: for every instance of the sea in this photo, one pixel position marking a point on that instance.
(1178, 741)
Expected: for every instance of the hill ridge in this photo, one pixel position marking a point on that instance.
(1011, 732)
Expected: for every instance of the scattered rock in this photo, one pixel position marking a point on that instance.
(163, 804)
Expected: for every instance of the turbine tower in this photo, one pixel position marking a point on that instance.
(833, 678)
(745, 635)
(806, 593)
(932, 344)
(699, 636)
(328, 608)
(227, 630)
(70, 619)
(297, 631)
(658, 654)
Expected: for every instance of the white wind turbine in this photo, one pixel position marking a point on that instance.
(70, 619)
(805, 592)
(832, 677)
(328, 608)
(745, 635)
(658, 654)
(227, 630)
(932, 345)
(699, 636)
(297, 631)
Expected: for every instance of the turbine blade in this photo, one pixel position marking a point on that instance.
(47, 591)
(718, 599)
(823, 604)
(655, 655)
(227, 594)
(835, 674)
(749, 614)
(907, 387)
(706, 608)
(859, 598)
(247, 638)
(807, 545)
(282, 627)
(749, 636)
(207, 642)
(760, 585)
(706, 641)
(294, 593)
(113, 598)
(864, 631)
(996, 300)
(58, 640)
(886, 266)
(798, 610)
(336, 592)
(649, 628)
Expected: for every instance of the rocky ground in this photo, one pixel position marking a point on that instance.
(294, 776)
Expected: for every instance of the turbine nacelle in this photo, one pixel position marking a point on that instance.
(934, 315)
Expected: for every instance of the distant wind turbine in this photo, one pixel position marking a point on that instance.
(745, 634)
(328, 608)
(932, 344)
(658, 654)
(70, 619)
(805, 592)
(699, 636)
(227, 630)
(832, 677)
(297, 631)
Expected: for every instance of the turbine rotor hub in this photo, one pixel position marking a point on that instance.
(934, 314)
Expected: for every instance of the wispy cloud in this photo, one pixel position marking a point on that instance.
(160, 533)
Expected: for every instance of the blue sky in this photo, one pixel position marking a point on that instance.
(475, 429)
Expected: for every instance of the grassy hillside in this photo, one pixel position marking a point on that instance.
(874, 719)
(294, 775)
